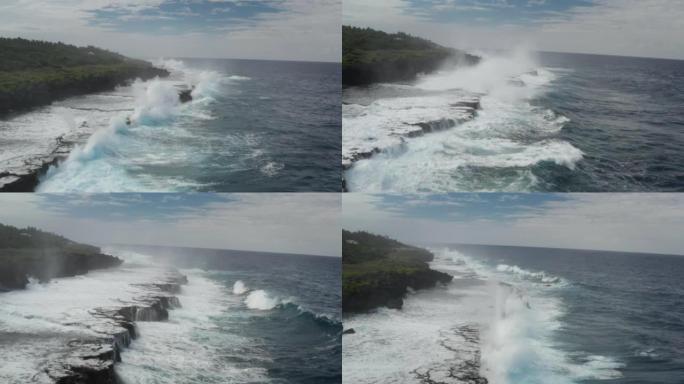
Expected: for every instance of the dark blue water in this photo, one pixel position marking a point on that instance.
(626, 307)
(626, 116)
(292, 109)
(286, 324)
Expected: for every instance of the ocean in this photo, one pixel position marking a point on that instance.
(252, 126)
(548, 122)
(529, 315)
(246, 317)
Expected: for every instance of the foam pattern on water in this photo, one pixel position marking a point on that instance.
(494, 151)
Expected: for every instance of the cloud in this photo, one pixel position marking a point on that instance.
(622, 222)
(259, 29)
(287, 223)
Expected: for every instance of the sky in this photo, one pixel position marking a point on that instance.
(271, 222)
(306, 30)
(643, 28)
(649, 223)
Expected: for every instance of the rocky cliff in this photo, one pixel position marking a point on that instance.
(30, 252)
(370, 56)
(378, 271)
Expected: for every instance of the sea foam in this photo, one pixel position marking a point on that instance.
(497, 150)
(239, 288)
(135, 139)
(261, 300)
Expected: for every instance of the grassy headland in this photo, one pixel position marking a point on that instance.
(34, 73)
(30, 252)
(377, 271)
(370, 56)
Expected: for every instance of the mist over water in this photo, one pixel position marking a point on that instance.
(547, 123)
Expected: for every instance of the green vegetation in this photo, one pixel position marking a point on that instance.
(370, 56)
(30, 252)
(35, 73)
(377, 270)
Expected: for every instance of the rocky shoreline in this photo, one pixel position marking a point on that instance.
(92, 360)
(461, 110)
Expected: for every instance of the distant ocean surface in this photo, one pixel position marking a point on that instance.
(531, 315)
(549, 122)
(252, 126)
(246, 317)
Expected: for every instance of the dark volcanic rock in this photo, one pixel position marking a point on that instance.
(185, 95)
(349, 331)
(388, 289)
(92, 361)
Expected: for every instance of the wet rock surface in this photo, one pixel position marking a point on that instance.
(92, 360)
(464, 368)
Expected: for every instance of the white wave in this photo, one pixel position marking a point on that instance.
(540, 277)
(271, 168)
(190, 346)
(239, 288)
(518, 338)
(152, 133)
(261, 300)
(239, 78)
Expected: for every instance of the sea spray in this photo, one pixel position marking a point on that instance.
(261, 300)
(494, 75)
(239, 288)
(104, 162)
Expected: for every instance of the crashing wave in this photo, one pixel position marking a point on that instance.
(538, 277)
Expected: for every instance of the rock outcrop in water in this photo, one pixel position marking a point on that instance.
(92, 360)
(378, 271)
(33, 253)
(370, 56)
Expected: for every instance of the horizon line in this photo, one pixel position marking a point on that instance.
(219, 249)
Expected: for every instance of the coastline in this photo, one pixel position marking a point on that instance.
(379, 272)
